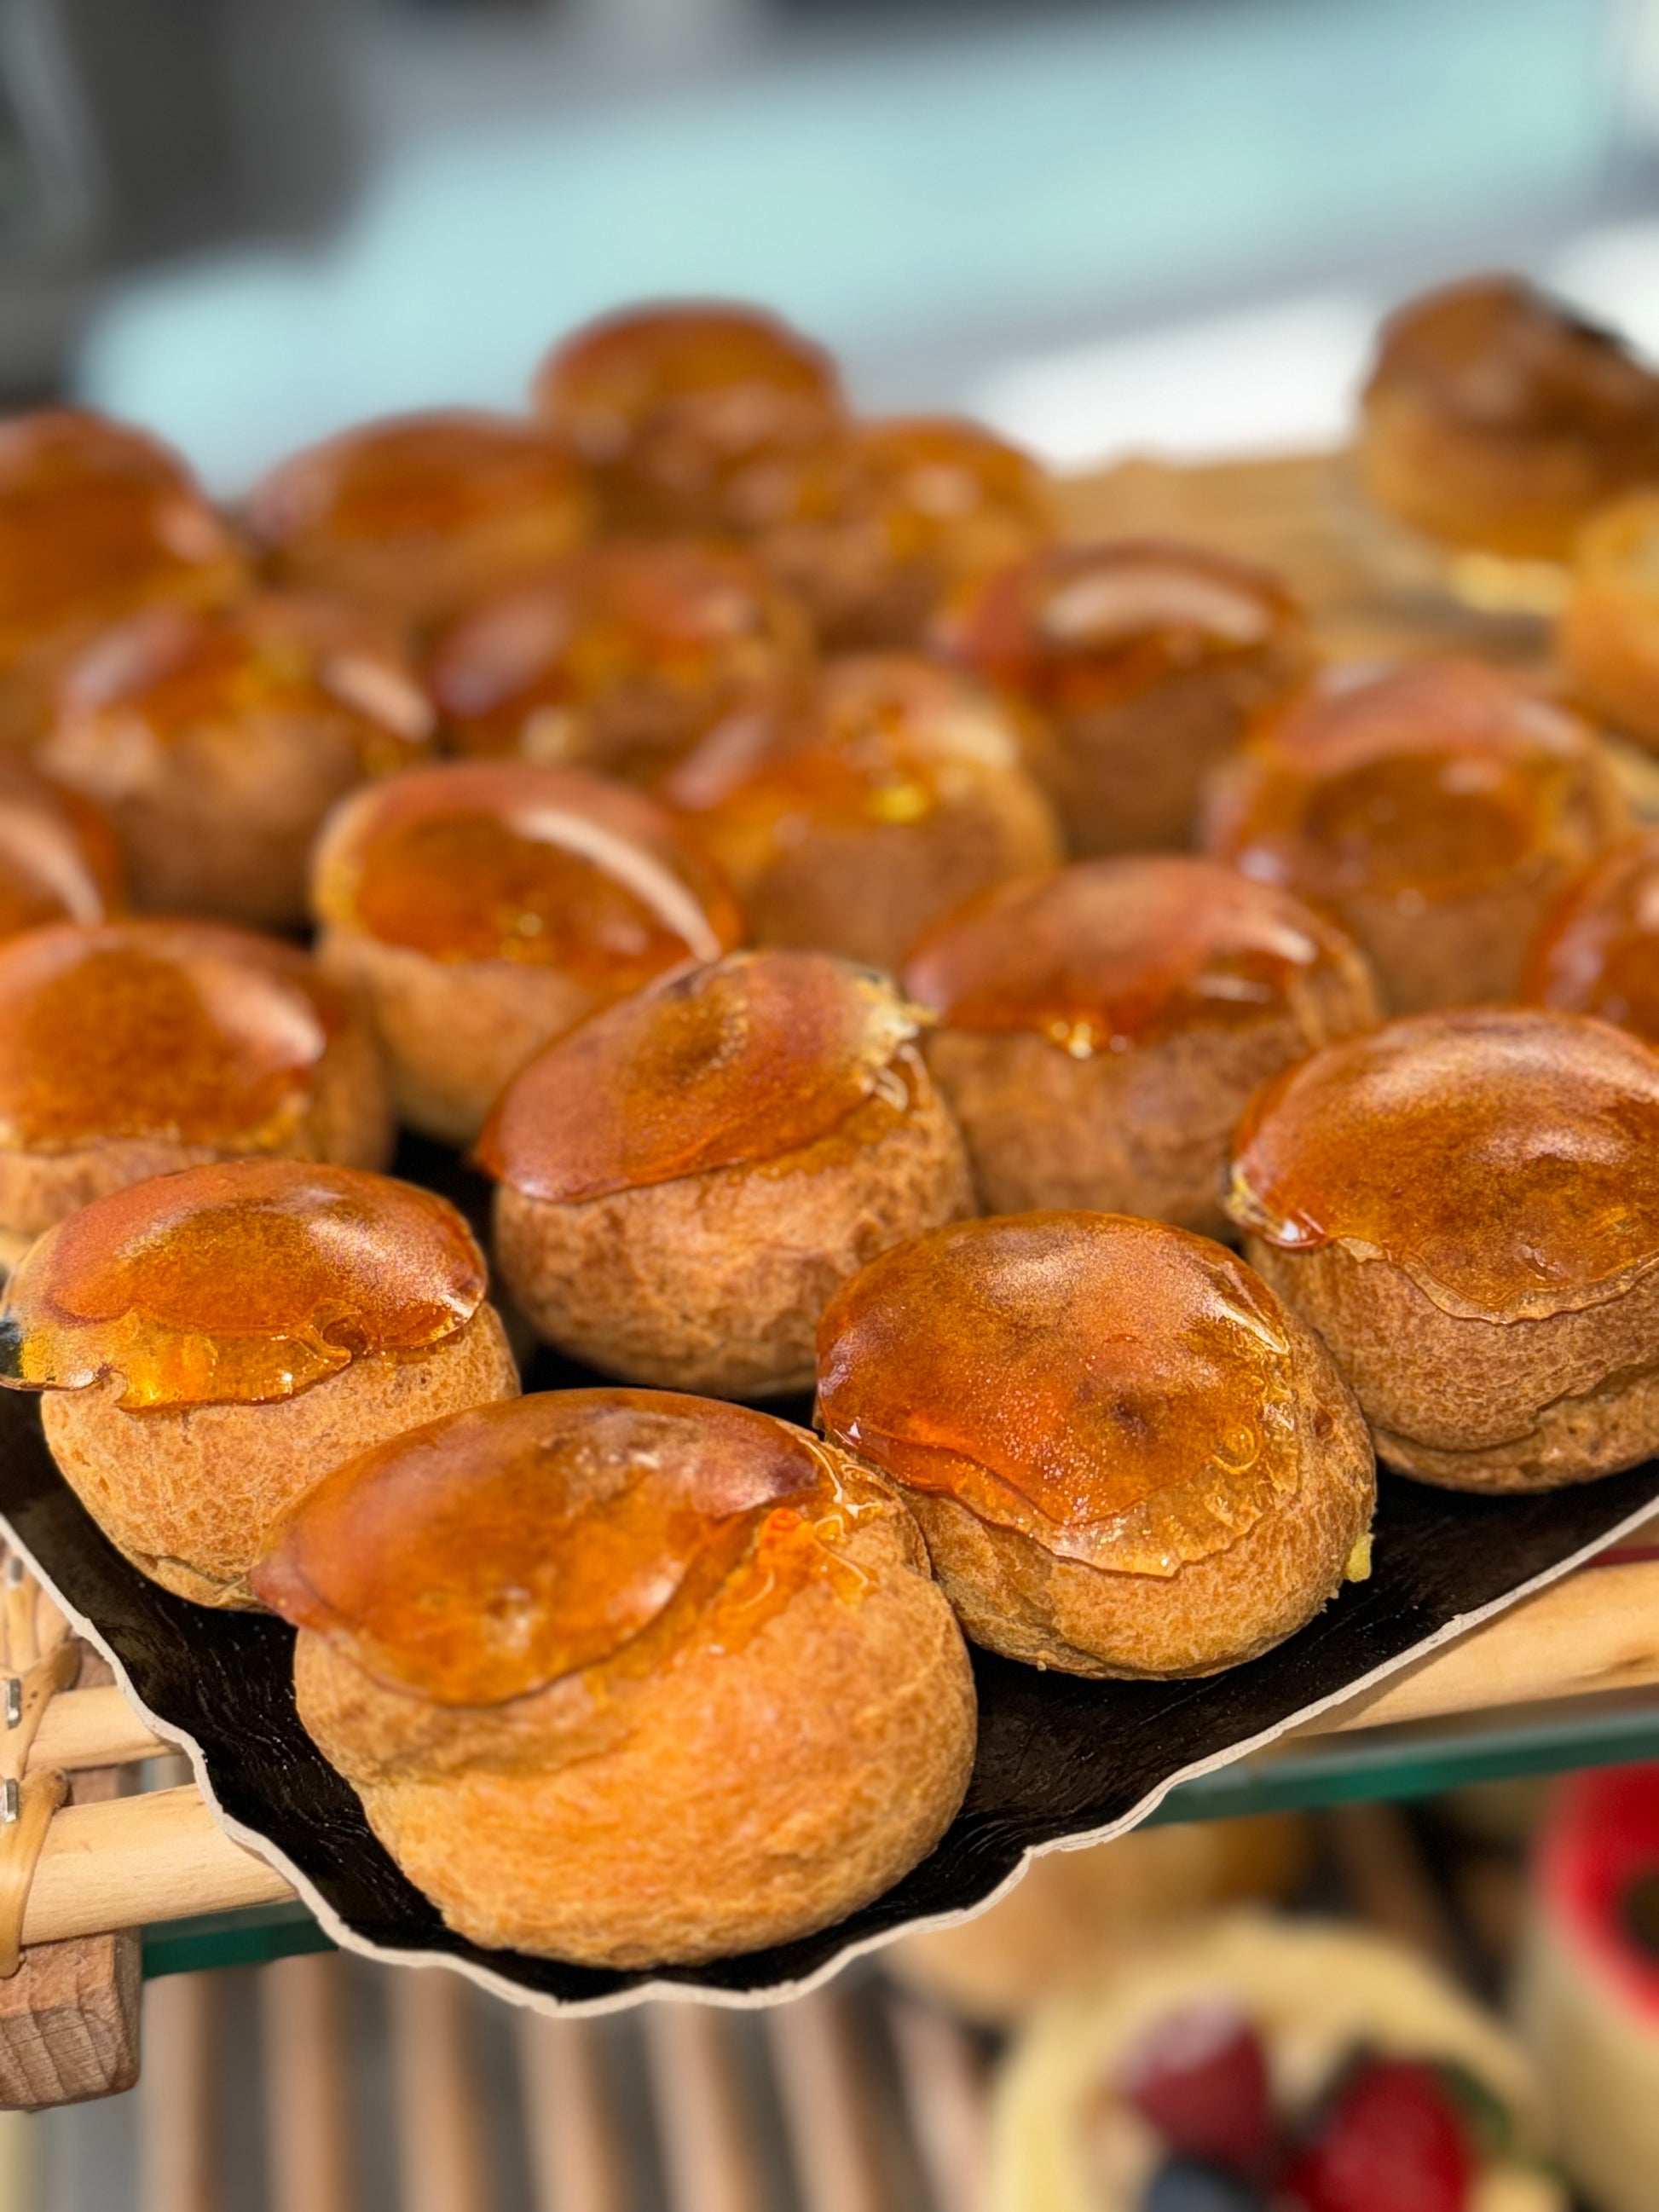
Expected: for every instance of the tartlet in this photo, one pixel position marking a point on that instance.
(97, 519)
(1101, 1029)
(1436, 809)
(1598, 951)
(208, 1343)
(481, 908)
(1607, 639)
(217, 742)
(1128, 1457)
(1497, 418)
(668, 404)
(1466, 1206)
(60, 860)
(417, 516)
(856, 811)
(877, 526)
(732, 1706)
(687, 1178)
(129, 1049)
(1146, 659)
(620, 659)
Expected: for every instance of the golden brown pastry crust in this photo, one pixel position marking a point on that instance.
(1607, 639)
(194, 1496)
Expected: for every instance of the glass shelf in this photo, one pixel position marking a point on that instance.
(1418, 1760)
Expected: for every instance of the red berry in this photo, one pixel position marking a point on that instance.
(1200, 2078)
(1392, 2141)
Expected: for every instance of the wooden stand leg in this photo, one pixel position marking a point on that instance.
(68, 2023)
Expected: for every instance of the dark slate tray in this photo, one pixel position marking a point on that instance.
(1060, 1759)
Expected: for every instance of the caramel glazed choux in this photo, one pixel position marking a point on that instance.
(687, 1177)
(208, 1343)
(628, 1678)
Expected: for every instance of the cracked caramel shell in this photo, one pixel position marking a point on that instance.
(854, 813)
(1126, 1456)
(532, 1636)
(666, 403)
(1496, 418)
(1146, 659)
(96, 519)
(688, 1177)
(484, 907)
(60, 858)
(218, 742)
(1101, 1029)
(1436, 809)
(1465, 1205)
(417, 516)
(878, 525)
(619, 660)
(1598, 951)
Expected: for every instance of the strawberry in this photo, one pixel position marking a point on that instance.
(1392, 2141)
(1200, 2078)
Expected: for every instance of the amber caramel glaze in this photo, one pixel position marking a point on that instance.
(1506, 1159)
(190, 1030)
(1106, 954)
(152, 680)
(59, 859)
(874, 740)
(96, 518)
(488, 1555)
(1598, 951)
(507, 861)
(1074, 629)
(1118, 1390)
(625, 655)
(746, 1060)
(1424, 783)
(664, 402)
(237, 1283)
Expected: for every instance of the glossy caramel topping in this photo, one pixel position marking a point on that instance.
(1418, 783)
(1598, 953)
(1075, 628)
(505, 860)
(183, 1030)
(755, 1057)
(153, 680)
(1118, 1390)
(1109, 954)
(1507, 1159)
(96, 518)
(624, 656)
(59, 859)
(489, 1555)
(877, 740)
(237, 1283)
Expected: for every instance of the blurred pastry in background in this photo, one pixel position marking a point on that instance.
(60, 860)
(620, 658)
(687, 1177)
(1128, 1458)
(877, 527)
(131, 1048)
(1101, 1029)
(1497, 418)
(1254, 2063)
(210, 1343)
(481, 908)
(1588, 1986)
(1607, 637)
(852, 812)
(96, 519)
(416, 516)
(1146, 659)
(732, 1706)
(1435, 809)
(1072, 1914)
(217, 742)
(1598, 950)
(1466, 1206)
(668, 404)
